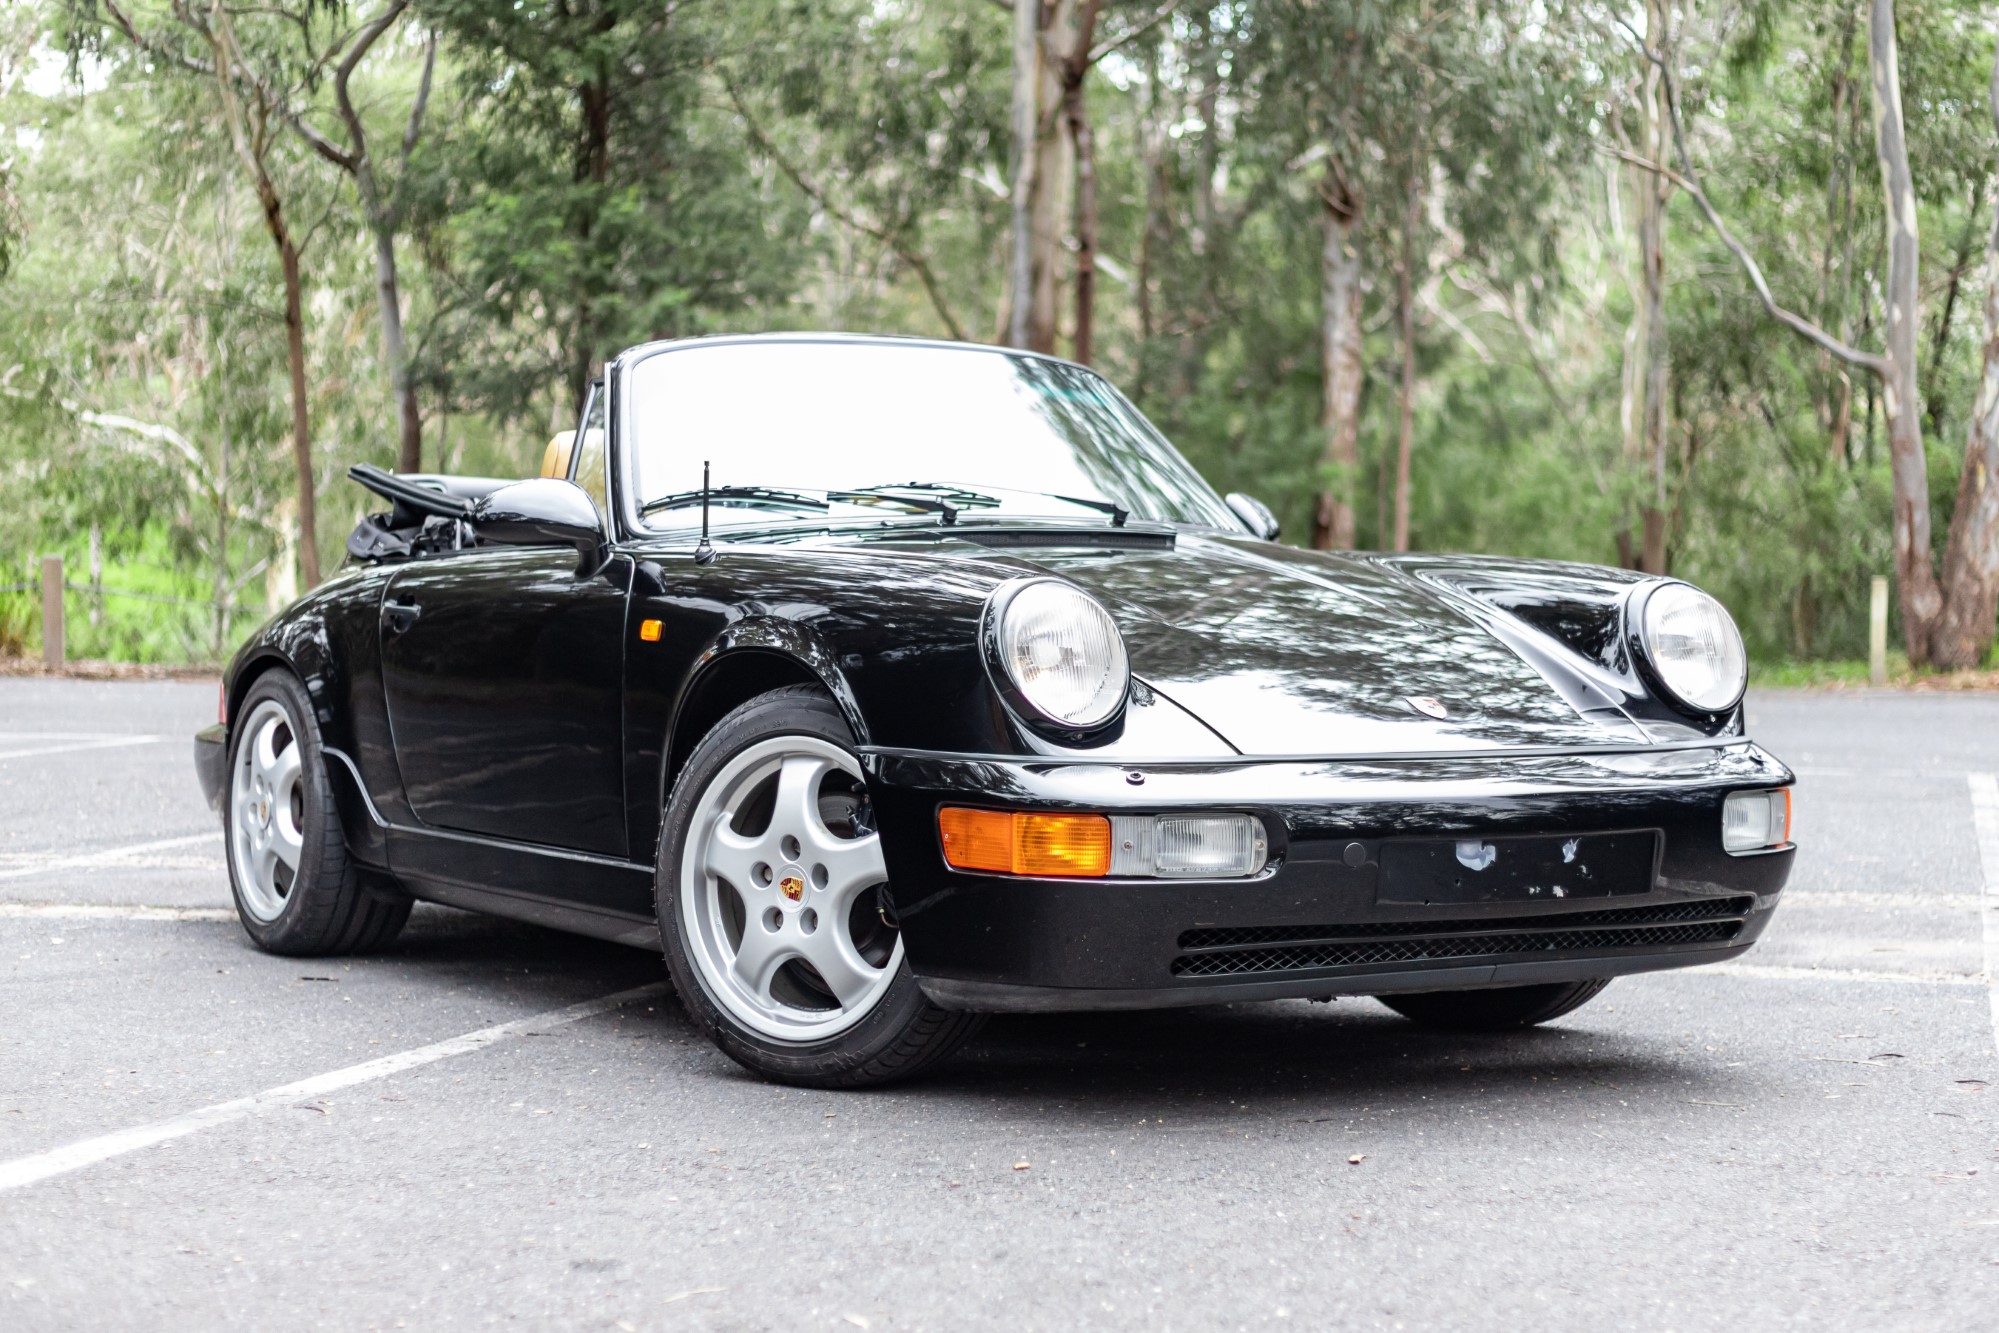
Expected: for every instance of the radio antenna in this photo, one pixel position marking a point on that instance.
(704, 554)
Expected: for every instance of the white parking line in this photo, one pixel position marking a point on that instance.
(1952, 902)
(106, 857)
(72, 742)
(1779, 972)
(1985, 822)
(57, 1161)
(110, 912)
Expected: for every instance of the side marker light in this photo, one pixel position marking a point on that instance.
(649, 630)
(1023, 843)
(1030, 842)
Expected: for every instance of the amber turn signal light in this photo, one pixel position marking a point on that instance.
(649, 630)
(1025, 842)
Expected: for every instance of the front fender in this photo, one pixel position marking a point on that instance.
(328, 640)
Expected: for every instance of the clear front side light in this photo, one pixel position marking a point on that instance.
(1752, 821)
(1188, 846)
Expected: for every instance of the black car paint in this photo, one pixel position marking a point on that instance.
(510, 747)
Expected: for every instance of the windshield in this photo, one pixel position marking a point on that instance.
(981, 432)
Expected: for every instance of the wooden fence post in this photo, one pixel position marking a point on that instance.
(52, 627)
(1877, 632)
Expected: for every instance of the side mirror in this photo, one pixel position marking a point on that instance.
(542, 512)
(1255, 513)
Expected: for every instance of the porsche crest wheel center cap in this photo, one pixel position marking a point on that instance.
(1429, 707)
(792, 887)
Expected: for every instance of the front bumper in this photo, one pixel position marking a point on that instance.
(1310, 924)
(211, 762)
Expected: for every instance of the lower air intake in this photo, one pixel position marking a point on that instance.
(1258, 950)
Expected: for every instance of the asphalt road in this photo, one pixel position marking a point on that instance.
(1809, 1137)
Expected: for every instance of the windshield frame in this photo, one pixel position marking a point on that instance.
(626, 502)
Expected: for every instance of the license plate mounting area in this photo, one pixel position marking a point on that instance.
(1517, 868)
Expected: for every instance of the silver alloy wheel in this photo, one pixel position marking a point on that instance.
(768, 917)
(266, 805)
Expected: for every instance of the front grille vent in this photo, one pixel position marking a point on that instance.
(1257, 950)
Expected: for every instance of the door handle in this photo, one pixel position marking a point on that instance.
(399, 616)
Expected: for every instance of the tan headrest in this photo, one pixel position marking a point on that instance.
(555, 458)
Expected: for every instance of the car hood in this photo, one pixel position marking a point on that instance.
(1289, 652)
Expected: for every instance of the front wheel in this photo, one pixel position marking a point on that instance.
(771, 892)
(1502, 1009)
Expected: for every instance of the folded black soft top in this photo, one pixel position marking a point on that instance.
(426, 509)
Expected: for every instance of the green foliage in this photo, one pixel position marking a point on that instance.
(593, 173)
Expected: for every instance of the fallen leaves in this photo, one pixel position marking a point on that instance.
(1357, 1159)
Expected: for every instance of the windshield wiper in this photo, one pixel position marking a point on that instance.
(738, 497)
(957, 497)
(1117, 512)
(895, 494)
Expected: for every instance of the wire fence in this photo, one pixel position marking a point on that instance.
(103, 620)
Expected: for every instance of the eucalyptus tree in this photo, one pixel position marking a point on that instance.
(382, 205)
(592, 192)
(255, 78)
(1439, 136)
(1947, 619)
(137, 363)
(1057, 43)
(889, 121)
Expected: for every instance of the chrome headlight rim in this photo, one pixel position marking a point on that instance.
(992, 637)
(1639, 627)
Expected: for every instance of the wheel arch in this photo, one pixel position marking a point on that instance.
(753, 657)
(298, 642)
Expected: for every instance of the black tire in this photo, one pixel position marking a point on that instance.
(332, 906)
(903, 1035)
(1501, 1009)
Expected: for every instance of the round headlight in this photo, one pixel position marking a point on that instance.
(1063, 653)
(1694, 646)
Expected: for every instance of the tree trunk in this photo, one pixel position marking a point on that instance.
(592, 165)
(1063, 45)
(1152, 148)
(409, 424)
(251, 149)
(1901, 401)
(1963, 635)
(1405, 301)
(308, 538)
(1933, 395)
(1026, 118)
(1838, 224)
(382, 217)
(1631, 417)
(1078, 119)
(1341, 366)
(1652, 252)
(388, 296)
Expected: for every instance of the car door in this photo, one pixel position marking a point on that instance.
(503, 670)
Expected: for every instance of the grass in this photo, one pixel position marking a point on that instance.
(1851, 673)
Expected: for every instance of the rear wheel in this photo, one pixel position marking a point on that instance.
(1501, 1009)
(296, 890)
(773, 905)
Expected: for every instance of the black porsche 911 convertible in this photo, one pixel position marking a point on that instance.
(884, 684)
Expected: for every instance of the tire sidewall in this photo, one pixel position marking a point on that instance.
(780, 713)
(317, 870)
